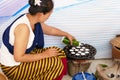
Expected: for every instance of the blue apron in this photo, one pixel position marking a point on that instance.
(38, 39)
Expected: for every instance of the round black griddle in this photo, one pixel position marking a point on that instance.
(84, 51)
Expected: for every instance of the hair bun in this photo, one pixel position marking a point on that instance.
(31, 2)
(42, 6)
(35, 2)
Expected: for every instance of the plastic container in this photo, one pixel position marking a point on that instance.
(84, 76)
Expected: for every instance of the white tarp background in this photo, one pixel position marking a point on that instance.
(91, 21)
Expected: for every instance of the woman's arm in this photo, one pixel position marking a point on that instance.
(20, 45)
(49, 30)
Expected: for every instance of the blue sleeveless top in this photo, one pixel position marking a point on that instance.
(38, 39)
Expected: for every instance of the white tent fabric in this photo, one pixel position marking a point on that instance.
(10, 7)
(91, 21)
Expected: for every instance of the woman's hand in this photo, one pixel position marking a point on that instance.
(51, 52)
(71, 38)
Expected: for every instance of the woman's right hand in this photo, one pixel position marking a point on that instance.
(51, 52)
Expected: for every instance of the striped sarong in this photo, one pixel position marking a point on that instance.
(44, 69)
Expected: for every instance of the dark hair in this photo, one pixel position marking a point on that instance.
(44, 7)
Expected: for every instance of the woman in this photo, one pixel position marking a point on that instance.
(23, 56)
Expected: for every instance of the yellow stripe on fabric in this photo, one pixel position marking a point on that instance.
(15, 75)
(22, 72)
(55, 61)
(59, 71)
(42, 66)
(11, 71)
(59, 66)
(60, 52)
(5, 70)
(33, 70)
(38, 71)
(21, 69)
(49, 66)
(46, 63)
(25, 70)
(62, 55)
(28, 70)
(19, 73)
(49, 76)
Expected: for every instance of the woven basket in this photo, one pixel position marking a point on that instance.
(115, 53)
(103, 72)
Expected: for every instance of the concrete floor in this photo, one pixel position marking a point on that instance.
(92, 67)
